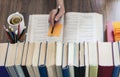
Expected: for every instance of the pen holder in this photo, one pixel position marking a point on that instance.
(16, 20)
(17, 26)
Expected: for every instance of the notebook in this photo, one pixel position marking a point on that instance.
(76, 27)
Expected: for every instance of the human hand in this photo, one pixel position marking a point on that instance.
(55, 15)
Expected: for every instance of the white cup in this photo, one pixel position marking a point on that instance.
(15, 25)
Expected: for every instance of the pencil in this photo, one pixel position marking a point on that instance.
(12, 32)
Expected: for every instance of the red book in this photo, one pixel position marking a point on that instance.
(105, 59)
(105, 71)
(109, 32)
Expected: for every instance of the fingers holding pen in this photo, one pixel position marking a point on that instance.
(52, 16)
(56, 14)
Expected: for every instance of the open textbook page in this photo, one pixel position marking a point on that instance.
(38, 29)
(79, 27)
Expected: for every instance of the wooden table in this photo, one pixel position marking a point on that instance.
(109, 8)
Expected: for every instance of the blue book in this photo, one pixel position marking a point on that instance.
(116, 71)
(4, 50)
(3, 72)
(43, 71)
(116, 54)
(65, 71)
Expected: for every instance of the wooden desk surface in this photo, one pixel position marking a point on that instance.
(109, 9)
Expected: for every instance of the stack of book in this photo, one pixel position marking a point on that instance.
(57, 59)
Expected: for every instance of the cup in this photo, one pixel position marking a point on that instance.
(16, 19)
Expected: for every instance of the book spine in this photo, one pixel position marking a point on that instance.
(3, 72)
(65, 71)
(24, 68)
(82, 71)
(105, 71)
(116, 71)
(76, 70)
(43, 71)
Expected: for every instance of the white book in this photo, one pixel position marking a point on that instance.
(86, 60)
(59, 51)
(35, 59)
(77, 27)
(82, 55)
(93, 59)
(29, 59)
(116, 54)
(10, 60)
(65, 56)
(3, 53)
(18, 59)
(71, 59)
(51, 59)
(105, 54)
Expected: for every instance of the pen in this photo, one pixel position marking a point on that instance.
(54, 18)
(12, 32)
(21, 35)
(8, 35)
(16, 36)
(18, 30)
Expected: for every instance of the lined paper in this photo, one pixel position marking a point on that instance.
(77, 27)
(38, 29)
(81, 27)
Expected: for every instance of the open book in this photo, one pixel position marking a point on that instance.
(77, 27)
